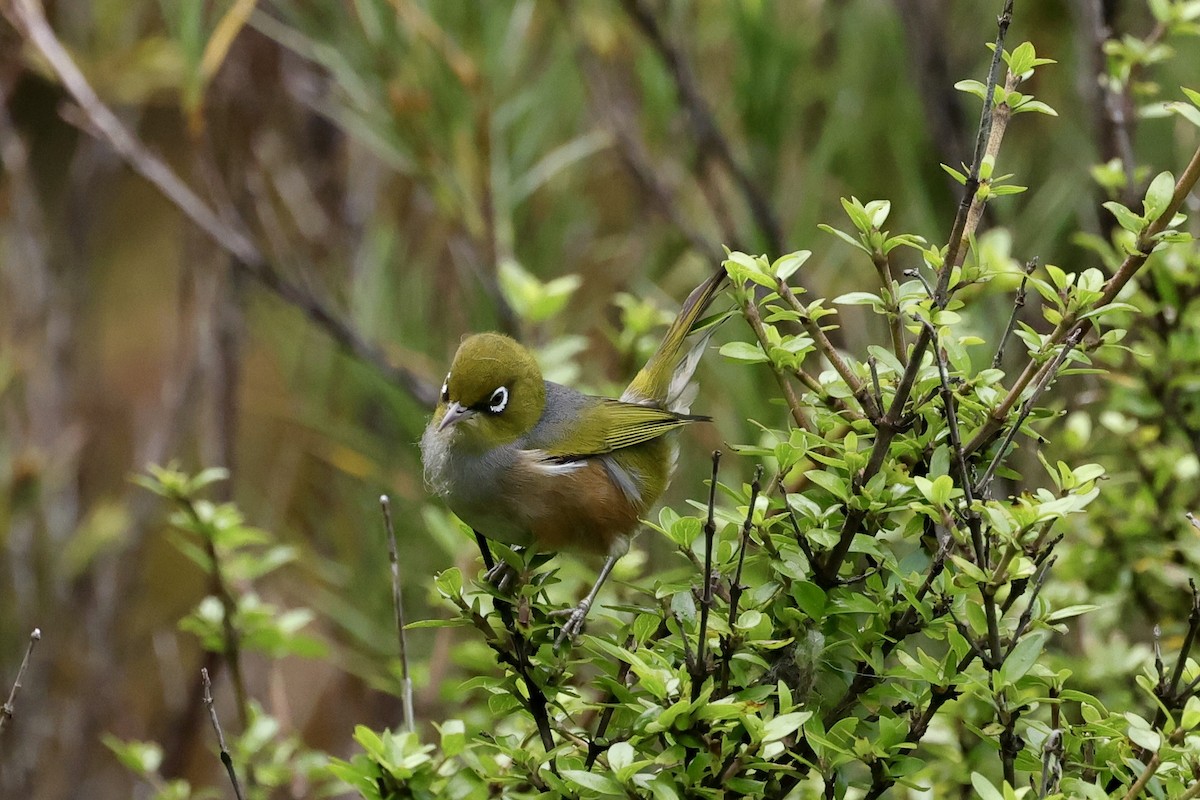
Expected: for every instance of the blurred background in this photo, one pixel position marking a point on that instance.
(385, 176)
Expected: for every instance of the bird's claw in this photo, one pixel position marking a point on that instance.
(574, 624)
(503, 575)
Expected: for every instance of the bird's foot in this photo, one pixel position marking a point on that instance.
(574, 624)
(503, 576)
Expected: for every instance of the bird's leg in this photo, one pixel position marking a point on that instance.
(574, 624)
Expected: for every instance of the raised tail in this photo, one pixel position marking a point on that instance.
(666, 378)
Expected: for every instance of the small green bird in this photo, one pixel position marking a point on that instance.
(533, 463)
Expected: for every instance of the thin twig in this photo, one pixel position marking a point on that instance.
(827, 349)
(537, 704)
(232, 648)
(735, 586)
(226, 759)
(1071, 325)
(1049, 372)
(801, 540)
(406, 686)
(6, 710)
(754, 319)
(700, 668)
(883, 265)
(1018, 304)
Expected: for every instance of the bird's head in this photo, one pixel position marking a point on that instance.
(493, 394)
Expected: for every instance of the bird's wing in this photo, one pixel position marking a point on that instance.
(609, 425)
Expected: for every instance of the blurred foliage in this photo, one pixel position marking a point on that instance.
(427, 169)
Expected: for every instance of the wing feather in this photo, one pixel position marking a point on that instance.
(614, 425)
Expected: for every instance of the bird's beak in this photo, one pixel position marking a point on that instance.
(454, 412)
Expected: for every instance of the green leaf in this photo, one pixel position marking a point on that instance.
(1158, 196)
(744, 351)
(1071, 611)
(785, 266)
(1126, 218)
(1145, 738)
(1023, 657)
(454, 737)
(784, 725)
(845, 237)
(593, 781)
(972, 87)
(984, 788)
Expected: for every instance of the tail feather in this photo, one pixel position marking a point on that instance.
(666, 377)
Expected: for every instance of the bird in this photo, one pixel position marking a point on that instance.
(533, 463)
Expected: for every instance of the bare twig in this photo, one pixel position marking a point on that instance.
(883, 265)
(1052, 753)
(224, 227)
(801, 540)
(1018, 304)
(6, 710)
(700, 668)
(406, 686)
(735, 586)
(754, 319)
(226, 759)
(1049, 373)
(827, 349)
(620, 120)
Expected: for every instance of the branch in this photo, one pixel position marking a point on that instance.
(735, 586)
(226, 759)
(1049, 372)
(700, 668)
(1018, 304)
(519, 661)
(406, 686)
(6, 710)
(750, 312)
(223, 226)
(857, 387)
(1071, 325)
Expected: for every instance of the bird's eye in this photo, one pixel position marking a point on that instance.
(446, 388)
(498, 400)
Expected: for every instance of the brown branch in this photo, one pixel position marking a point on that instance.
(1071, 324)
(1018, 304)
(226, 759)
(641, 165)
(735, 586)
(889, 424)
(406, 686)
(754, 319)
(6, 710)
(827, 349)
(224, 226)
(700, 668)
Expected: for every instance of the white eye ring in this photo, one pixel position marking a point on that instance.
(446, 388)
(498, 401)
